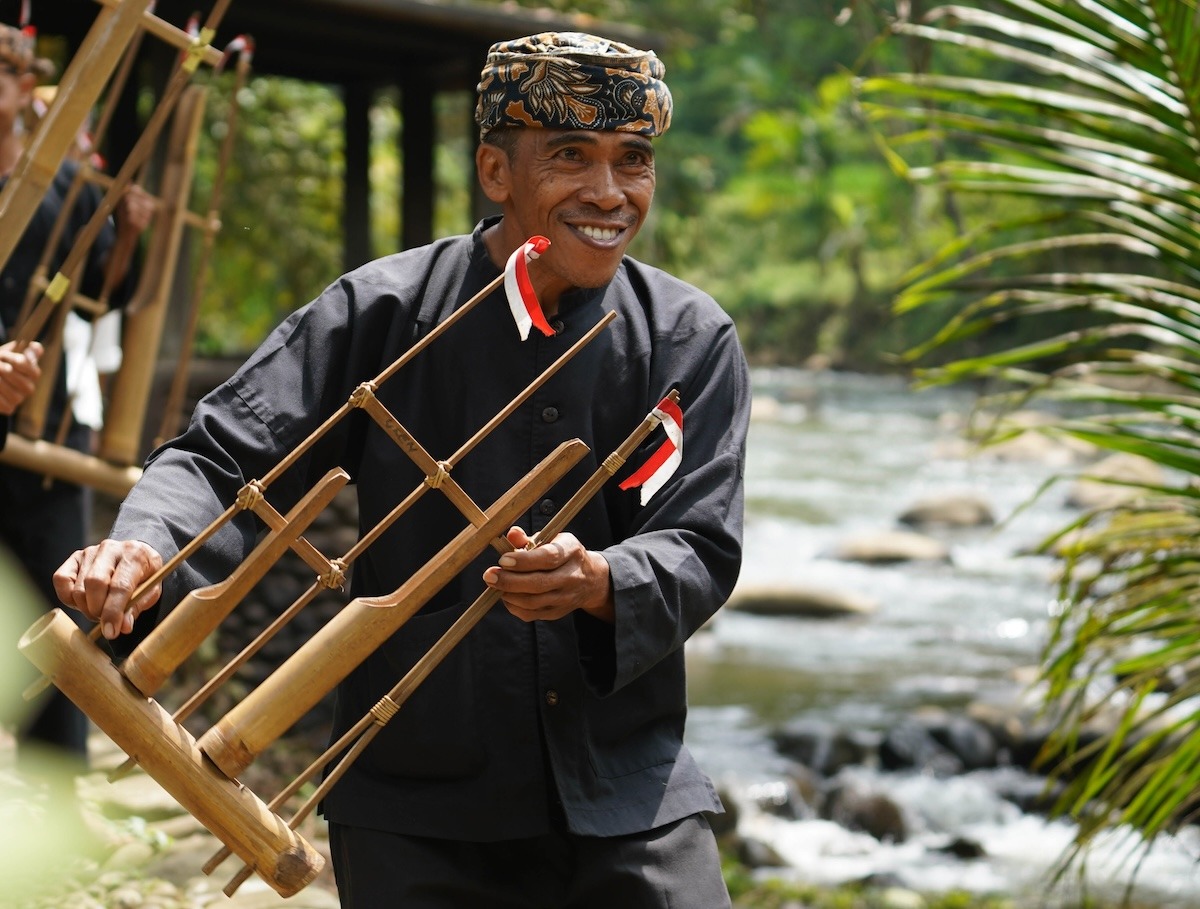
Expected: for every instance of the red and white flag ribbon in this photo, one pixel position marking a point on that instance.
(661, 465)
(526, 310)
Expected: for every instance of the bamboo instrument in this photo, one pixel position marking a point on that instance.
(145, 317)
(30, 327)
(201, 611)
(78, 91)
(120, 443)
(141, 727)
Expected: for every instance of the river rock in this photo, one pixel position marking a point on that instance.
(822, 748)
(856, 807)
(971, 742)
(890, 546)
(910, 745)
(1103, 486)
(805, 602)
(949, 510)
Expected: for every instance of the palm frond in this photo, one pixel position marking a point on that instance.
(1072, 129)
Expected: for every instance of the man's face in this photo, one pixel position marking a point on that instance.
(587, 191)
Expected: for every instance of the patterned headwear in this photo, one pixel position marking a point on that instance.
(16, 53)
(569, 80)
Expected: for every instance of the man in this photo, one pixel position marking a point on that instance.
(42, 524)
(542, 763)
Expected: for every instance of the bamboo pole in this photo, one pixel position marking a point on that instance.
(64, 463)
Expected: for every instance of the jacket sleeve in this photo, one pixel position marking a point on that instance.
(681, 558)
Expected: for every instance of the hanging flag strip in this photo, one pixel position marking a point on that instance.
(661, 465)
(526, 310)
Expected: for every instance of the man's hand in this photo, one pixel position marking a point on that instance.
(99, 581)
(135, 210)
(552, 580)
(19, 372)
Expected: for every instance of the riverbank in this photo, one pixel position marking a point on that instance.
(129, 845)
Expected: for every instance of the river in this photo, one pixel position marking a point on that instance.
(840, 455)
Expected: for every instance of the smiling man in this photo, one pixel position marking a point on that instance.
(542, 763)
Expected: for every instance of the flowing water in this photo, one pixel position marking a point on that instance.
(843, 455)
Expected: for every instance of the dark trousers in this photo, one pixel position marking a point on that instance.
(41, 527)
(672, 867)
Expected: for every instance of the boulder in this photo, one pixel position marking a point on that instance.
(806, 602)
(949, 510)
(892, 546)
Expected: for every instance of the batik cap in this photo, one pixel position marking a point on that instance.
(17, 52)
(570, 80)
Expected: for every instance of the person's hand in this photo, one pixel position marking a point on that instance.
(135, 210)
(551, 580)
(99, 581)
(19, 372)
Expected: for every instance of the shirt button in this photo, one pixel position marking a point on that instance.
(549, 414)
(558, 326)
(547, 507)
(551, 697)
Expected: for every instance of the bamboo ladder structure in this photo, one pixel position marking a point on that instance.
(112, 40)
(201, 773)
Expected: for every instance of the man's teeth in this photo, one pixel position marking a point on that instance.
(600, 233)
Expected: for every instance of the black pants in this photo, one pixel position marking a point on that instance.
(672, 867)
(41, 527)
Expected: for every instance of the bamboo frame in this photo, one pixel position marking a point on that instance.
(121, 440)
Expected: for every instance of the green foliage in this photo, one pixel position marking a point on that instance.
(1085, 156)
(771, 194)
(284, 181)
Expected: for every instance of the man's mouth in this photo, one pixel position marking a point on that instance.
(601, 234)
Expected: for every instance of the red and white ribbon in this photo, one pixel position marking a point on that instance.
(243, 45)
(661, 465)
(522, 300)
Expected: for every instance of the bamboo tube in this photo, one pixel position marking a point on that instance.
(362, 625)
(64, 463)
(141, 727)
(201, 611)
(209, 226)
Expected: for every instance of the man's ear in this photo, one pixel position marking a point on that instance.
(495, 176)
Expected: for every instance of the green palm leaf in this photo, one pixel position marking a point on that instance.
(1069, 130)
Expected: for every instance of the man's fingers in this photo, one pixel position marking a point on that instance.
(64, 580)
(100, 581)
